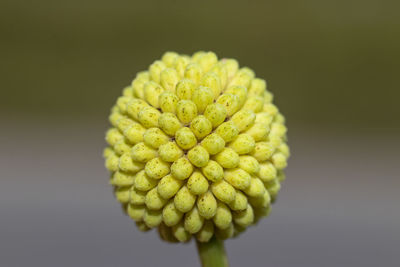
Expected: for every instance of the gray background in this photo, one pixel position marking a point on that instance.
(332, 65)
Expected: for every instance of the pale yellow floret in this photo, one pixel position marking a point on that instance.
(243, 77)
(193, 72)
(228, 131)
(243, 119)
(213, 171)
(243, 144)
(244, 218)
(142, 152)
(156, 168)
(107, 152)
(113, 135)
(171, 216)
(138, 84)
(124, 123)
(136, 212)
(240, 202)
(197, 183)
(169, 186)
(223, 216)
(134, 133)
(222, 74)
(223, 191)
(169, 58)
(168, 79)
(180, 233)
(180, 64)
(155, 70)
(126, 164)
(205, 234)
(267, 172)
(122, 194)
(268, 97)
(169, 123)
(230, 102)
(121, 147)
(148, 117)
(273, 188)
(170, 152)
(263, 151)
(256, 188)
(197, 55)
(249, 164)
(152, 218)
(264, 118)
(121, 103)
(185, 138)
(254, 103)
(270, 109)
(201, 127)
(184, 200)
(211, 80)
(240, 92)
(215, 113)
(152, 91)
(114, 117)
(198, 156)
(225, 233)
(258, 131)
(144, 182)
(279, 160)
(185, 89)
(213, 143)
(207, 205)
(193, 222)
(262, 201)
(181, 168)
(257, 87)
(122, 179)
(153, 200)
(186, 111)
(279, 118)
(284, 149)
(154, 137)
(231, 65)
(207, 60)
(134, 107)
(238, 178)
(168, 102)
(227, 158)
(202, 97)
(112, 162)
(137, 197)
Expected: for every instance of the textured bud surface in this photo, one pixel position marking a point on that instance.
(196, 148)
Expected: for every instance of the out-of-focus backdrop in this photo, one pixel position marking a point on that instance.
(333, 67)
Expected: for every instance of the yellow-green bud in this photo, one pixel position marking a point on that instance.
(196, 148)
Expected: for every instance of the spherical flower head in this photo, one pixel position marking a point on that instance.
(196, 148)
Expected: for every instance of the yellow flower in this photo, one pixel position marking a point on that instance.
(197, 148)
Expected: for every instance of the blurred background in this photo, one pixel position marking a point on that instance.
(333, 67)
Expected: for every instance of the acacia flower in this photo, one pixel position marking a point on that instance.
(197, 148)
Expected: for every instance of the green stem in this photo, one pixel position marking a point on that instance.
(212, 253)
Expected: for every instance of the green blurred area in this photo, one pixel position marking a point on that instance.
(328, 63)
